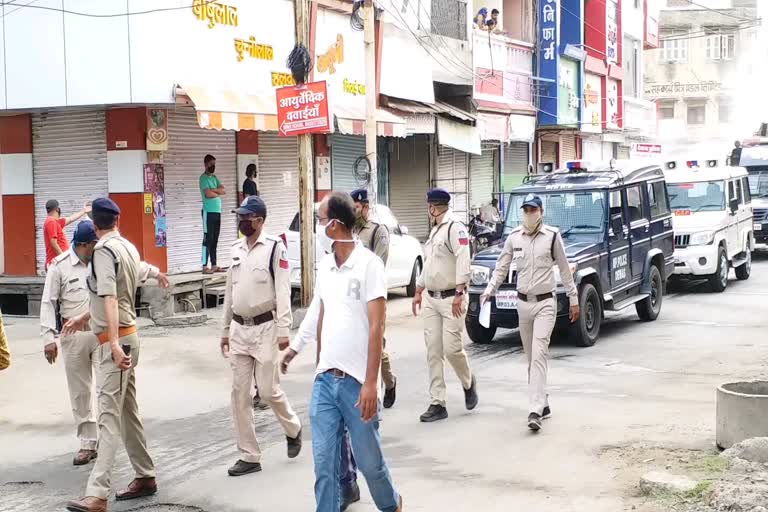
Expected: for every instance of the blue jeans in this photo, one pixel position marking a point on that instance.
(333, 407)
(348, 464)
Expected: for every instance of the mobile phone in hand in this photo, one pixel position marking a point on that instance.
(127, 350)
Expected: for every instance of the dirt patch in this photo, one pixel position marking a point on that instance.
(166, 507)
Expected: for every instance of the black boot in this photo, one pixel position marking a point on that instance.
(243, 468)
(390, 395)
(349, 494)
(470, 395)
(534, 422)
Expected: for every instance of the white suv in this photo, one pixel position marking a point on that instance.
(405, 255)
(712, 221)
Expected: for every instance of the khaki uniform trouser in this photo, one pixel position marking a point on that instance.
(537, 319)
(118, 417)
(80, 357)
(386, 368)
(253, 353)
(442, 335)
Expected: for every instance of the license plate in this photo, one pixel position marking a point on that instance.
(506, 299)
(757, 227)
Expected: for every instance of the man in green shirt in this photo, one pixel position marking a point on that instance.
(211, 191)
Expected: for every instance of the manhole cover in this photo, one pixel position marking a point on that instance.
(166, 507)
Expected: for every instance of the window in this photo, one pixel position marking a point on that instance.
(667, 109)
(747, 192)
(734, 188)
(696, 113)
(631, 58)
(576, 214)
(635, 203)
(700, 196)
(724, 111)
(675, 49)
(721, 47)
(449, 18)
(657, 199)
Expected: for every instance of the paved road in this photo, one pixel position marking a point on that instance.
(643, 382)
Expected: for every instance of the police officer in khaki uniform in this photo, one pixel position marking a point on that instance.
(116, 272)
(375, 238)
(65, 296)
(445, 278)
(535, 248)
(256, 324)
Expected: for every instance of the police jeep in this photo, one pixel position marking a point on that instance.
(616, 225)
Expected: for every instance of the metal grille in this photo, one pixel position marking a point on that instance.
(760, 214)
(345, 149)
(515, 165)
(682, 240)
(449, 18)
(452, 176)
(481, 171)
(409, 181)
(69, 158)
(567, 148)
(279, 179)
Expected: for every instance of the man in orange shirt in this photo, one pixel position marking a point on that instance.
(53, 229)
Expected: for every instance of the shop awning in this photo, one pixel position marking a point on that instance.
(459, 136)
(493, 126)
(228, 110)
(352, 122)
(522, 128)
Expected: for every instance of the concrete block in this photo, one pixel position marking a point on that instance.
(657, 482)
(753, 450)
(188, 320)
(741, 413)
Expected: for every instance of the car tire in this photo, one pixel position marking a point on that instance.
(410, 289)
(745, 269)
(586, 330)
(477, 333)
(649, 308)
(719, 280)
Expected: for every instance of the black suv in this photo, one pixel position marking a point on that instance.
(617, 228)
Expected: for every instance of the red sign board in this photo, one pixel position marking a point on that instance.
(303, 109)
(651, 149)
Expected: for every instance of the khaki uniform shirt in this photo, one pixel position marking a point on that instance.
(117, 271)
(446, 253)
(380, 246)
(532, 255)
(250, 290)
(65, 283)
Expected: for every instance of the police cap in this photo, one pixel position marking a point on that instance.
(85, 233)
(532, 200)
(105, 205)
(252, 205)
(438, 196)
(359, 195)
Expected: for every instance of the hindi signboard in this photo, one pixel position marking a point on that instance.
(303, 109)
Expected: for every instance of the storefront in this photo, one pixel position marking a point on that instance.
(345, 150)
(483, 172)
(69, 161)
(279, 179)
(409, 164)
(516, 159)
(456, 142)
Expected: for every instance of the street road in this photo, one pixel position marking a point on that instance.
(650, 383)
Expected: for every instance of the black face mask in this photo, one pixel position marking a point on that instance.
(246, 227)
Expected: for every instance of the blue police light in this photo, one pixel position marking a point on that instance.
(692, 163)
(574, 165)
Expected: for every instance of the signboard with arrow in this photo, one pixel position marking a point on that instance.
(303, 109)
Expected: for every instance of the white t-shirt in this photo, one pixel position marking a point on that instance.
(345, 293)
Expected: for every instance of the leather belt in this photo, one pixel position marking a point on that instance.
(122, 332)
(337, 373)
(254, 320)
(544, 296)
(442, 294)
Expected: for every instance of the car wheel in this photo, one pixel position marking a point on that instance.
(745, 269)
(477, 332)
(649, 308)
(719, 280)
(587, 328)
(410, 290)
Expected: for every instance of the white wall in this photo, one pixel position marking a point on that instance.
(56, 59)
(632, 19)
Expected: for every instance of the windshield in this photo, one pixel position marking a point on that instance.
(574, 213)
(702, 196)
(758, 184)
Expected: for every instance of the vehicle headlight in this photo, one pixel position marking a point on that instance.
(479, 275)
(702, 238)
(571, 266)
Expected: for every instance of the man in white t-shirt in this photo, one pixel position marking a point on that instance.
(351, 288)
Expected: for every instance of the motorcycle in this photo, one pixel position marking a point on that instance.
(482, 234)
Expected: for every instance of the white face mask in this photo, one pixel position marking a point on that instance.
(323, 240)
(532, 221)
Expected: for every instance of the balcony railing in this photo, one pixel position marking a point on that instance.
(503, 68)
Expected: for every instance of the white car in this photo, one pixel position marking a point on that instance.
(712, 221)
(405, 255)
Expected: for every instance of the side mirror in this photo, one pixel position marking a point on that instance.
(617, 225)
(404, 230)
(734, 205)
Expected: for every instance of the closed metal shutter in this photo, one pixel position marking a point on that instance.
(279, 179)
(515, 165)
(345, 149)
(591, 151)
(548, 152)
(623, 152)
(69, 160)
(567, 149)
(608, 151)
(187, 146)
(409, 182)
(452, 168)
(481, 171)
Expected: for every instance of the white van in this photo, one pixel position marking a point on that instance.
(712, 220)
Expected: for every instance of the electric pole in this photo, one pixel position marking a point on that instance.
(370, 98)
(306, 177)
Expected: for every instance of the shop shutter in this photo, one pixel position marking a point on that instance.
(481, 171)
(188, 145)
(607, 151)
(623, 153)
(567, 149)
(69, 158)
(591, 151)
(279, 179)
(515, 165)
(409, 182)
(345, 149)
(452, 168)
(548, 152)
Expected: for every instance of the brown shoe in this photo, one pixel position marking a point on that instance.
(207, 270)
(139, 488)
(88, 504)
(220, 270)
(83, 457)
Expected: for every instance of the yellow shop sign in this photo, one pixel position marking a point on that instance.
(253, 49)
(215, 13)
